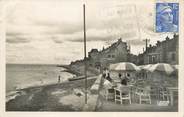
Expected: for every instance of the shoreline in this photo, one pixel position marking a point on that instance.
(78, 70)
(11, 95)
(69, 69)
(26, 94)
(35, 98)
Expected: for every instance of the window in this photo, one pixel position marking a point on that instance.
(109, 56)
(173, 56)
(153, 59)
(113, 56)
(158, 58)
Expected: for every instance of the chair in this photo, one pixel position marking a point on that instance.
(109, 94)
(163, 93)
(109, 90)
(143, 94)
(122, 94)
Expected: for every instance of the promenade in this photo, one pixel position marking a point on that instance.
(111, 106)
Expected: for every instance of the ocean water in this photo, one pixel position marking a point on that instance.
(19, 76)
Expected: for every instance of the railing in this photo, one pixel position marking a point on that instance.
(93, 100)
(96, 86)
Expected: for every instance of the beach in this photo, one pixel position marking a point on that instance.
(20, 76)
(36, 88)
(56, 97)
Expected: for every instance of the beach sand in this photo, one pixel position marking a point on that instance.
(56, 97)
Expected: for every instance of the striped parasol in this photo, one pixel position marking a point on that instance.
(175, 67)
(124, 66)
(146, 67)
(162, 67)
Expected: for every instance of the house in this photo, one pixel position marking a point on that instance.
(117, 52)
(163, 52)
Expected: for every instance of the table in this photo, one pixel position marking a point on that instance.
(171, 92)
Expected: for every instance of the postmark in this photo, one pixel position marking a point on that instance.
(167, 17)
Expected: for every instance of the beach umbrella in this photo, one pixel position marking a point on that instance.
(141, 66)
(145, 67)
(162, 67)
(175, 67)
(124, 66)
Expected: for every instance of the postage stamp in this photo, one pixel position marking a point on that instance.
(167, 15)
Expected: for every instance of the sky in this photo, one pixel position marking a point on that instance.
(51, 31)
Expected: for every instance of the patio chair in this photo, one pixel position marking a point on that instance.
(143, 94)
(109, 90)
(164, 93)
(122, 94)
(109, 94)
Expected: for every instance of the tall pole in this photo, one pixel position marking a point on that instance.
(146, 40)
(85, 66)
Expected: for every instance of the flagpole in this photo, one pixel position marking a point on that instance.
(85, 66)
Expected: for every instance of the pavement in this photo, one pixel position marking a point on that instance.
(111, 106)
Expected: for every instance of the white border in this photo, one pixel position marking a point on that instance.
(96, 114)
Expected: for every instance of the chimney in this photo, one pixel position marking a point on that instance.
(175, 35)
(158, 43)
(120, 39)
(167, 38)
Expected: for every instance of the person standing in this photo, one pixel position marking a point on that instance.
(120, 76)
(109, 78)
(59, 79)
(104, 73)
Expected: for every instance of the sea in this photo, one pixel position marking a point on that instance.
(20, 76)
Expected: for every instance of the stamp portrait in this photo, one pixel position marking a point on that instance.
(167, 17)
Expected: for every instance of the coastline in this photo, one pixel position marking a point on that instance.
(70, 70)
(12, 94)
(34, 98)
(46, 98)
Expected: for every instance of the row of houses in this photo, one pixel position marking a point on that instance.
(165, 51)
(117, 52)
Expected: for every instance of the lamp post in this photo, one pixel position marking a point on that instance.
(85, 66)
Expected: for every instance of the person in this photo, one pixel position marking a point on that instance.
(108, 77)
(59, 79)
(107, 84)
(165, 18)
(128, 75)
(119, 75)
(124, 80)
(132, 81)
(104, 73)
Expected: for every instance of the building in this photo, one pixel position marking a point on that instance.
(163, 52)
(117, 52)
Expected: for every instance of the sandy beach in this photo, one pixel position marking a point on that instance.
(56, 97)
